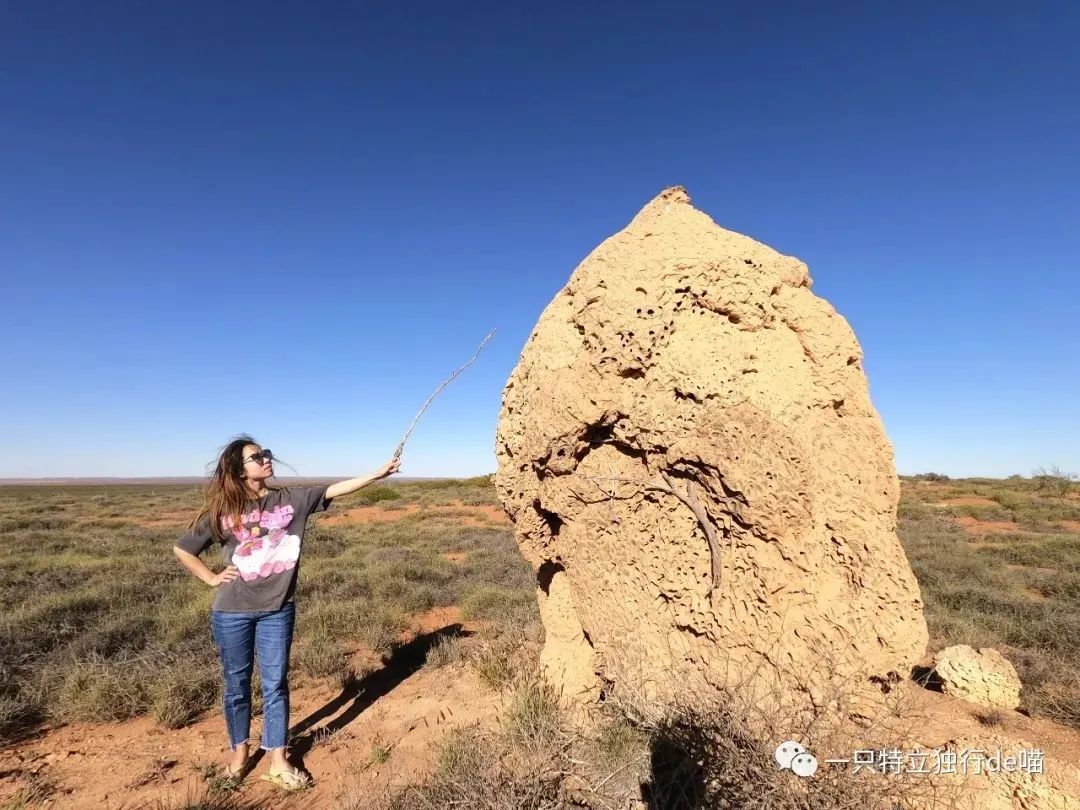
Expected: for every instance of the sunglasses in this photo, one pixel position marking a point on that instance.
(260, 457)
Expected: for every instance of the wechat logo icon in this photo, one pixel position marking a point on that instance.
(794, 756)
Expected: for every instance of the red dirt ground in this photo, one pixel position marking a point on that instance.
(109, 765)
(974, 526)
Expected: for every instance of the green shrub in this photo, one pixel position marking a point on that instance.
(618, 741)
(493, 664)
(182, 693)
(478, 482)
(320, 655)
(100, 690)
(532, 720)
(377, 494)
(1009, 500)
(1053, 480)
(382, 627)
(496, 602)
(445, 650)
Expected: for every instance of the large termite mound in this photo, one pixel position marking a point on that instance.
(695, 470)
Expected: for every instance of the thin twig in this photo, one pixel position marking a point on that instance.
(446, 382)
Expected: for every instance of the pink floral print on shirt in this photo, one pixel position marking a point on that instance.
(265, 548)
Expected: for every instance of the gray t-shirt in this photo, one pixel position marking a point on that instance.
(265, 549)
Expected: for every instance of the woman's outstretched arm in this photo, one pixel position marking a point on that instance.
(353, 484)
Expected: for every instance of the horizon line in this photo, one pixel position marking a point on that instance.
(186, 478)
(105, 479)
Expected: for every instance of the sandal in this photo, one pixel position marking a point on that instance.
(295, 779)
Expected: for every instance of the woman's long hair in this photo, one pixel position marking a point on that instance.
(226, 493)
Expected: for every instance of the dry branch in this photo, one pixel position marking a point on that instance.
(703, 519)
(446, 382)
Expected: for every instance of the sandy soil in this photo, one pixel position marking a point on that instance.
(967, 500)
(942, 718)
(335, 735)
(402, 708)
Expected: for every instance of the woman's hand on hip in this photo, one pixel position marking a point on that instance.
(228, 575)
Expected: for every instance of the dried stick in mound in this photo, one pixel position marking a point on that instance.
(691, 501)
(706, 523)
(446, 382)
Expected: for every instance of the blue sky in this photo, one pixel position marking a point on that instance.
(295, 219)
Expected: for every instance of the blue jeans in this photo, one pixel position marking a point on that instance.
(239, 636)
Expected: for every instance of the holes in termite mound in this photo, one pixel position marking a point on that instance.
(603, 433)
(733, 317)
(554, 524)
(547, 571)
(598, 434)
(608, 684)
(687, 395)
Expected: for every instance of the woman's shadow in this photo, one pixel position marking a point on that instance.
(358, 694)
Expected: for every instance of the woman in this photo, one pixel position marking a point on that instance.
(260, 531)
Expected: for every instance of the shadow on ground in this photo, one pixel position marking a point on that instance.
(356, 696)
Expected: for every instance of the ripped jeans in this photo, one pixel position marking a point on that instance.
(240, 636)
